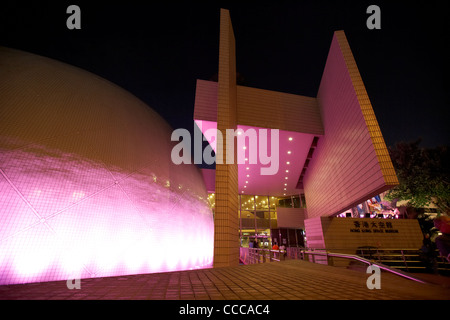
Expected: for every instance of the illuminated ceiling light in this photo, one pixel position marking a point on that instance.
(285, 184)
(244, 147)
(284, 189)
(284, 194)
(246, 159)
(256, 197)
(288, 162)
(289, 152)
(247, 168)
(242, 191)
(246, 181)
(286, 178)
(245, 186)
(287, 170)
(248, 175)
(290, 138)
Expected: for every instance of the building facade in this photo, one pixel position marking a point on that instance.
(317, 141)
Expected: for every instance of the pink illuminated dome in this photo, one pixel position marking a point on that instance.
(87, 185)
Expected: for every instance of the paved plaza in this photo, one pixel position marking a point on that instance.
(285, 280)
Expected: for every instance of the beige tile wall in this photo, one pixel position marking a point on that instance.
(226, 233)
(351, 161)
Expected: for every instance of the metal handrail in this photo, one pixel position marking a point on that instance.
(323, 252)
(255, 255)
(366, 261)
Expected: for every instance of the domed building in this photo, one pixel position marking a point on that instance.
(87, 185)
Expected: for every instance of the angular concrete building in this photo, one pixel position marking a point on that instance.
(332, 155)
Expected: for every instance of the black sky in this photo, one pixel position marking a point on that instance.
(157, 50)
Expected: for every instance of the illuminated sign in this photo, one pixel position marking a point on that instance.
(373, 227)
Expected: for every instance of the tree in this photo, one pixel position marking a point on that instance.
(423, 174)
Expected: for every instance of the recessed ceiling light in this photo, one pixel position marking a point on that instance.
(248, 175)
(284, 189)
(245, 186)
(244, 147)
(246, 181)
(290, 138)
(289, 152)
(288, 162)
(286, 178)
(247, 168)
(287, 170)
(285, 184)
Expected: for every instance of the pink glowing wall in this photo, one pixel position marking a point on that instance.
(351, 162)
(87, 186)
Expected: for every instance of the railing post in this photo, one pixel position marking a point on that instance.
(329, 259)
(404, 260)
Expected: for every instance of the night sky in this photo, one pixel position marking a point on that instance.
(157, 50)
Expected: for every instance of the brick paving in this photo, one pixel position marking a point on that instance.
(286, 280)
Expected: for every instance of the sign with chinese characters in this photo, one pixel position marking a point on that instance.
(374, 226)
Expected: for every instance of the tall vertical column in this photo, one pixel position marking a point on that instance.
(226, 222)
